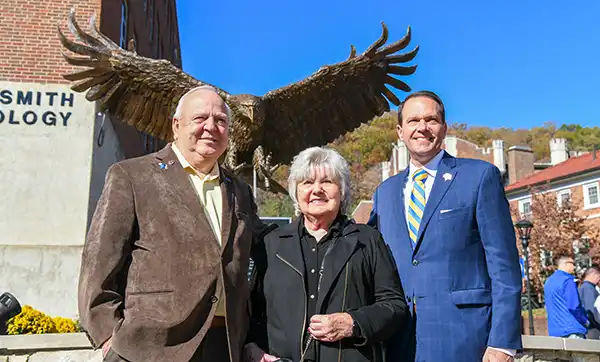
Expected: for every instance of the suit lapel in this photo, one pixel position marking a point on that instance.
(179, 181)
(342, 250)
(443, 179)
(398, 203)
(228, 201)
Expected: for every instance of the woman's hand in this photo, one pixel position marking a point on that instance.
(331, 327)
(253, 353)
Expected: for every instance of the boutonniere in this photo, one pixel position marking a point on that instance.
(447, 176)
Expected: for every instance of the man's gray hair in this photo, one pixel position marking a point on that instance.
(311, 158)
(179, 109)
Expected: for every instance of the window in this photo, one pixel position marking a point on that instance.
(563, 196)
(124, 15)
(525, 208)
(591, 195)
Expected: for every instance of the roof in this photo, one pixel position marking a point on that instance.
(572, 166)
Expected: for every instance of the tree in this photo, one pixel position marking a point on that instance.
(556, 229)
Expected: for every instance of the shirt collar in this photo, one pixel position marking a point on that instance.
(335, 227)
(564, 273)
(213, 175)
(431, 167)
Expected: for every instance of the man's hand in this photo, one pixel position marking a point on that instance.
(253, 353)
(493, 355)
(331, 327)
(106, 347)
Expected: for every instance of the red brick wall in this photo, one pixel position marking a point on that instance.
(520, 164)
(576, 199)
(31, 51)
(29, 43)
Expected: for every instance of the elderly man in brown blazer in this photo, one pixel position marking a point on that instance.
(164, 267)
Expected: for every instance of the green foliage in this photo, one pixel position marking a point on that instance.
(32, 321)
(579, 138)
(275, 205)
(371, 143)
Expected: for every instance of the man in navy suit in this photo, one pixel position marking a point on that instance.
(448, 225)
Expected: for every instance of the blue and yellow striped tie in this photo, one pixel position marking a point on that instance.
(416, 205)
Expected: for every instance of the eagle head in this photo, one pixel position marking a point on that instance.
(248, 109)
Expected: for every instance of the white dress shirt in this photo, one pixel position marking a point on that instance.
(431, 168)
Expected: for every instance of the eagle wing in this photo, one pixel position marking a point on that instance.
(336, 99)
(139, 91)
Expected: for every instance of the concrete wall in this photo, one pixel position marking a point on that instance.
(74, 347)
(543, 349)
(44, 277)
(52, 173)
(45, 143)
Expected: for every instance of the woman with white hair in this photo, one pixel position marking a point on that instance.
(327, 288)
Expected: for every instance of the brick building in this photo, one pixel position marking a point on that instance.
(574, 178)
(55, 146)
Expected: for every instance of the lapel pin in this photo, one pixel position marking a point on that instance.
(447, 176)
(162, 166)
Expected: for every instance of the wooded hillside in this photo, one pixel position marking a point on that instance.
(367, 146)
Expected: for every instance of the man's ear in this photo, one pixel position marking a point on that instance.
(175, 128)
(399, 131)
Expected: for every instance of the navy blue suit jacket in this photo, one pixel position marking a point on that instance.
(464, 273)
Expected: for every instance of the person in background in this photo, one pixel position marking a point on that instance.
(566, 316)
(588, 294)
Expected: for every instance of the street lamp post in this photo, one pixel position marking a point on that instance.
(524, 228)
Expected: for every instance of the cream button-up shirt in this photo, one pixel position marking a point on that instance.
(208, 189)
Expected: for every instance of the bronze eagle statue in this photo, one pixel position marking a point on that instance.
(265, 131)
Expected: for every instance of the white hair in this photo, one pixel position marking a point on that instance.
(309, 159)
(179, 109)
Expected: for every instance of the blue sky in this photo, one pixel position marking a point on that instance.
(514, 63)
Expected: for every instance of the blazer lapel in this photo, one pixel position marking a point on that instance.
(179, 181)
(227, 199)
(398, 203)
(443, 179)
(341, 251)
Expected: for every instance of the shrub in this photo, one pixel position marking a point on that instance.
(32, 321)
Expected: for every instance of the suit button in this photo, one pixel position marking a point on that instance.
(214, 299)
(415, 262)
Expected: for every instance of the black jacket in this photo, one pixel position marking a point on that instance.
(359, 278)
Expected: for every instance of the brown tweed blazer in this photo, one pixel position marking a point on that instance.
(151, 265)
